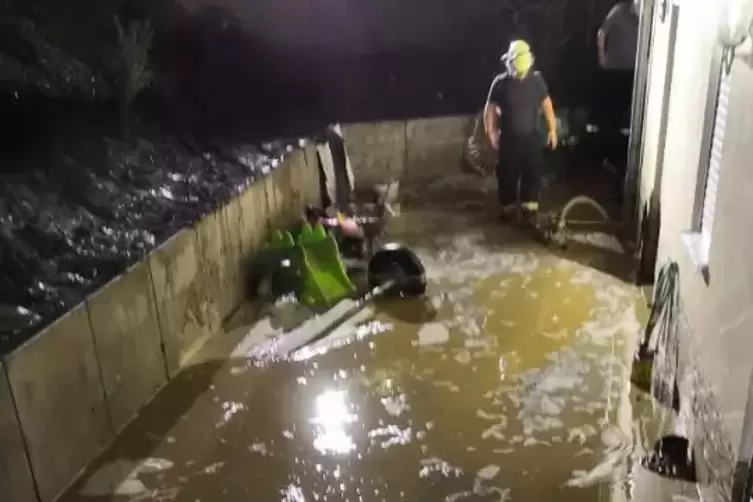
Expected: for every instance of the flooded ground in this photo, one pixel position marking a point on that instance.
(509, 382)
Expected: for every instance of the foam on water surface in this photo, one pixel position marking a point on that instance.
(433, 334)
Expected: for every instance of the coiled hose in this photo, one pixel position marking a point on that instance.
(660, 343)
(657, 360)
(663, 337)
(479, 156)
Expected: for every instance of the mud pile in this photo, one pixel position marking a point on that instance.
(81, 210)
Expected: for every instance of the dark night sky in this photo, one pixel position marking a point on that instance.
(224, 61)
(367, 27)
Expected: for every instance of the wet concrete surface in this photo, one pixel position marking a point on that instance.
(509, 382)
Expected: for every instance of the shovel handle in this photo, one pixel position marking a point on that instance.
(359, 305)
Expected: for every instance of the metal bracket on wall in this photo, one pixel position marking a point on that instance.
(728, 58)
(663, 10)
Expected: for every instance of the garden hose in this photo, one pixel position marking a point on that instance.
(555, 224)
(656, 366)
(479, 156)
(643, 363)
(580, 200)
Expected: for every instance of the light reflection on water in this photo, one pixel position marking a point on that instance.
(331, 420)
(293, 493)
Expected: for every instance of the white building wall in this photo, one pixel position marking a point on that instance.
(719, 343)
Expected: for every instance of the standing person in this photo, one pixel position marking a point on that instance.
(617, 39)
(617, 47)
(511, 124)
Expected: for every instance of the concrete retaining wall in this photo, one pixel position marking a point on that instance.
(66, 393)
(412, 151)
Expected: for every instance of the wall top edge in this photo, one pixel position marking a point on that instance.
(412, 119)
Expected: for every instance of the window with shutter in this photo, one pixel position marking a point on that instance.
(698, 239)
(715, 160)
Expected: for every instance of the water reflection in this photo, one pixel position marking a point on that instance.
(293, 493)
(331, 419)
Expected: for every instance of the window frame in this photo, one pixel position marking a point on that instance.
(698, 239)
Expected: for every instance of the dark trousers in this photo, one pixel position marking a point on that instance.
(520, 160)
(615, 107)
(616, 97)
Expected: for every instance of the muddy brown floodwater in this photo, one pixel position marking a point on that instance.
(509, 382)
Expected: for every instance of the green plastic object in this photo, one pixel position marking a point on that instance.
(315, 262)
(286, 263)
(281, 241)
(325, 280)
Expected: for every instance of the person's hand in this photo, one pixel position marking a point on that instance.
(551, 140)
(602, 60)
(493, 138)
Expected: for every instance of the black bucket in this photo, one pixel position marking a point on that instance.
(397, 263)
(672, 458)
